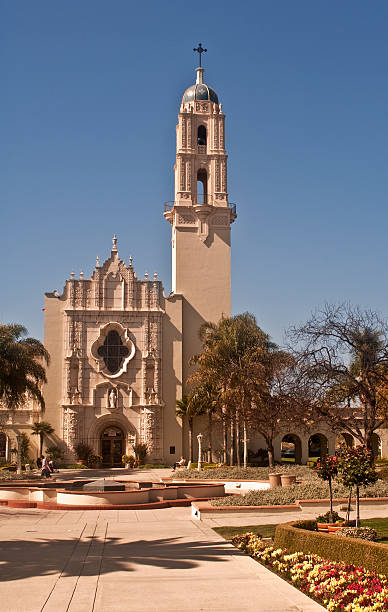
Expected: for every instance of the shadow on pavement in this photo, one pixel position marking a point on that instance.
(24, 559)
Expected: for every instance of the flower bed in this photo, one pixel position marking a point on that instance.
(7, 475)
(302, 535)
(340, 587)
(362, 533)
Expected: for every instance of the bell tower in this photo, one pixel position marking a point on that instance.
(201, 214)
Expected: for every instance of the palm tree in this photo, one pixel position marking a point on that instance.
(207, 397)
(21, 369)
(188, 408)
(233, 351)
(42, 429)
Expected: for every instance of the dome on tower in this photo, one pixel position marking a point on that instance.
(200, 91)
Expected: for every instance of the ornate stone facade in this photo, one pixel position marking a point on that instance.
(119, 347)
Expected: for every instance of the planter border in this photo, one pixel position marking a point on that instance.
(293, 537)
(205, 508)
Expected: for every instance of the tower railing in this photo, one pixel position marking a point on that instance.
(168, 206)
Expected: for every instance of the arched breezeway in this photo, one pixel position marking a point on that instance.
(291, 449)
(376, 446)
(317, 447)
(344, 439)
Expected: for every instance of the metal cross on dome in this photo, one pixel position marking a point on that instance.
(200, 50)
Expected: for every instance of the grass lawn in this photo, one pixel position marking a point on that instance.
(268, 531)
(381, 526)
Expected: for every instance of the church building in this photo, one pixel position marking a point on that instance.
(119, 346)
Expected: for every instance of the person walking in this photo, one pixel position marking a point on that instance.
(46, 472)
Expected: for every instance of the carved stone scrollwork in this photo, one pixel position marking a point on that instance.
(154, 329)
(202, 107)
(182, 174)
(151, 430)
(215, 140)
(188, 175)
(218, 178)
(223, 176)
(188, 122)
(220, 220)
(70, 427)
(184, 132)
(72, 293)
(185, 219)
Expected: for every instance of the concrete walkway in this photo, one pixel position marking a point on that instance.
(135, 561)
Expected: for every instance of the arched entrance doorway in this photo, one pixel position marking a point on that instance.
(112, 446)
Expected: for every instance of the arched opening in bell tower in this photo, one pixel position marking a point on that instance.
(202, 186)
(201, 136)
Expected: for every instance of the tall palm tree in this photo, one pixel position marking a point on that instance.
(187, 409)
(42, 429)
(21, 369)
(233, 351)
(208, 399)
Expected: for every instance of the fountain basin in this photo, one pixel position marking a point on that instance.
(127, 498)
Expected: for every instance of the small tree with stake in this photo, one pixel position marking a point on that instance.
(327, 469)
(357, 469)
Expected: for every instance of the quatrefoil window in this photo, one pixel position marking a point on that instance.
(113, 352)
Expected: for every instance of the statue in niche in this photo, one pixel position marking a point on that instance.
(112, 399)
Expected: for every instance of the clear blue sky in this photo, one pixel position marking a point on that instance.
(90, 94)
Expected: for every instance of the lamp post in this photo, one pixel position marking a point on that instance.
(199, 438)
(19, 455)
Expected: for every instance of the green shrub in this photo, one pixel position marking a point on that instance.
(150, 466)
(381, 461)
(130, 459)
(363, 533)
(7, 475)
(83, 451)
(140, 451)
(383, 473)
(94, 460)
(76, 466)
(249, 473)
(311, 489)
(309, 525)
(204, 464)
(371, 555)
(54, 453)
(325, 518)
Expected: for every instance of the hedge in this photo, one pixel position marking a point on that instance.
(298, 537)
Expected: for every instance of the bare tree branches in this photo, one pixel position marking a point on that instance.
(342, 352)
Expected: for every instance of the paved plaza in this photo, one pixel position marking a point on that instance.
(137, 561)
(149, 560)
